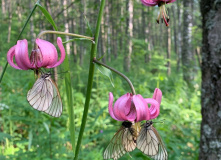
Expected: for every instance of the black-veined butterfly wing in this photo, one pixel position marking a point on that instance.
(123, 141)
(44, 96)
(41, 95)
(55, 108)
(150, 142)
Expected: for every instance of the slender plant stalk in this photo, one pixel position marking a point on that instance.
(68, 84)
(119, 73)
(90, 79)
(6, 65)
(70, 101)
(68, 87)
(64, 33)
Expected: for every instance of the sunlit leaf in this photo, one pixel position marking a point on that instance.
(106, 72)
(47, 15)
(88, 25)
(46, 127)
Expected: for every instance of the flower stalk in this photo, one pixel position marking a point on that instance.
(64, 33)
(119, 73)
(90, 79)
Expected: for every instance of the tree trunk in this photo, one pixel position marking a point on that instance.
(127, 58)
(210, 140)
(197, 51)
(66, 24)
(174, 29)
(3, 8)
(146, 24)
(187, 55)
(10, 19)
(108, 33)
(179, 36)
(168, 51)
(82, 3)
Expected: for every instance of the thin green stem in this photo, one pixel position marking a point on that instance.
(6, 65)
(71, 115)
(119, 73)
(90, 79)
(64, 33)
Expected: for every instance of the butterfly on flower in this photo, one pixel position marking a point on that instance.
(44, 96)
(123, 141)
(130, 136)
(150, 142)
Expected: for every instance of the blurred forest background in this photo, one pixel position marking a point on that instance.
(150, 54)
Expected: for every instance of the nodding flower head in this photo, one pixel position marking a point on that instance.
(44, 55)
(134, 108)
(161, 4)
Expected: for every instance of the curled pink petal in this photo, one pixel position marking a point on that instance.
(141, 108)
(132, 115)
(157, 95)
(155, 2)
(149, 2)
(21, 55)
(134, 108)
(154, 109)
(167, 1)
(122, 107)
(110, 107)
(48, 51)
(61, 47)
(10, 55)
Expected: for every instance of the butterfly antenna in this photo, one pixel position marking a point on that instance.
(161, 121)
(111, 125)
(63, 72)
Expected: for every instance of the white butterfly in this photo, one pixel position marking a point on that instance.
(44, 96)
(150, 142)
(123, 141)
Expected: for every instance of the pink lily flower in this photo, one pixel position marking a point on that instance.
(161, 4)
(134, 108)
(44, 56)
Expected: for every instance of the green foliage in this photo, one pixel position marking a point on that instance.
(48, 16)
(105, 72)
(28, 134)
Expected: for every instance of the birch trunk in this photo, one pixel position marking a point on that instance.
(127, 59)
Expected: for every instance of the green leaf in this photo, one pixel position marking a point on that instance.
(101, 57)
(4, 135)
(106, 72)
(70, 105)
(30, 137)
(47, 15)
(46, 127)
(89, 27)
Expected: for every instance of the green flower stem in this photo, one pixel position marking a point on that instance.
(64, 33)
(119, 73)
(90, 79)
(6, 65)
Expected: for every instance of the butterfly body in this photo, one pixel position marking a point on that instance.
(44, 96)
